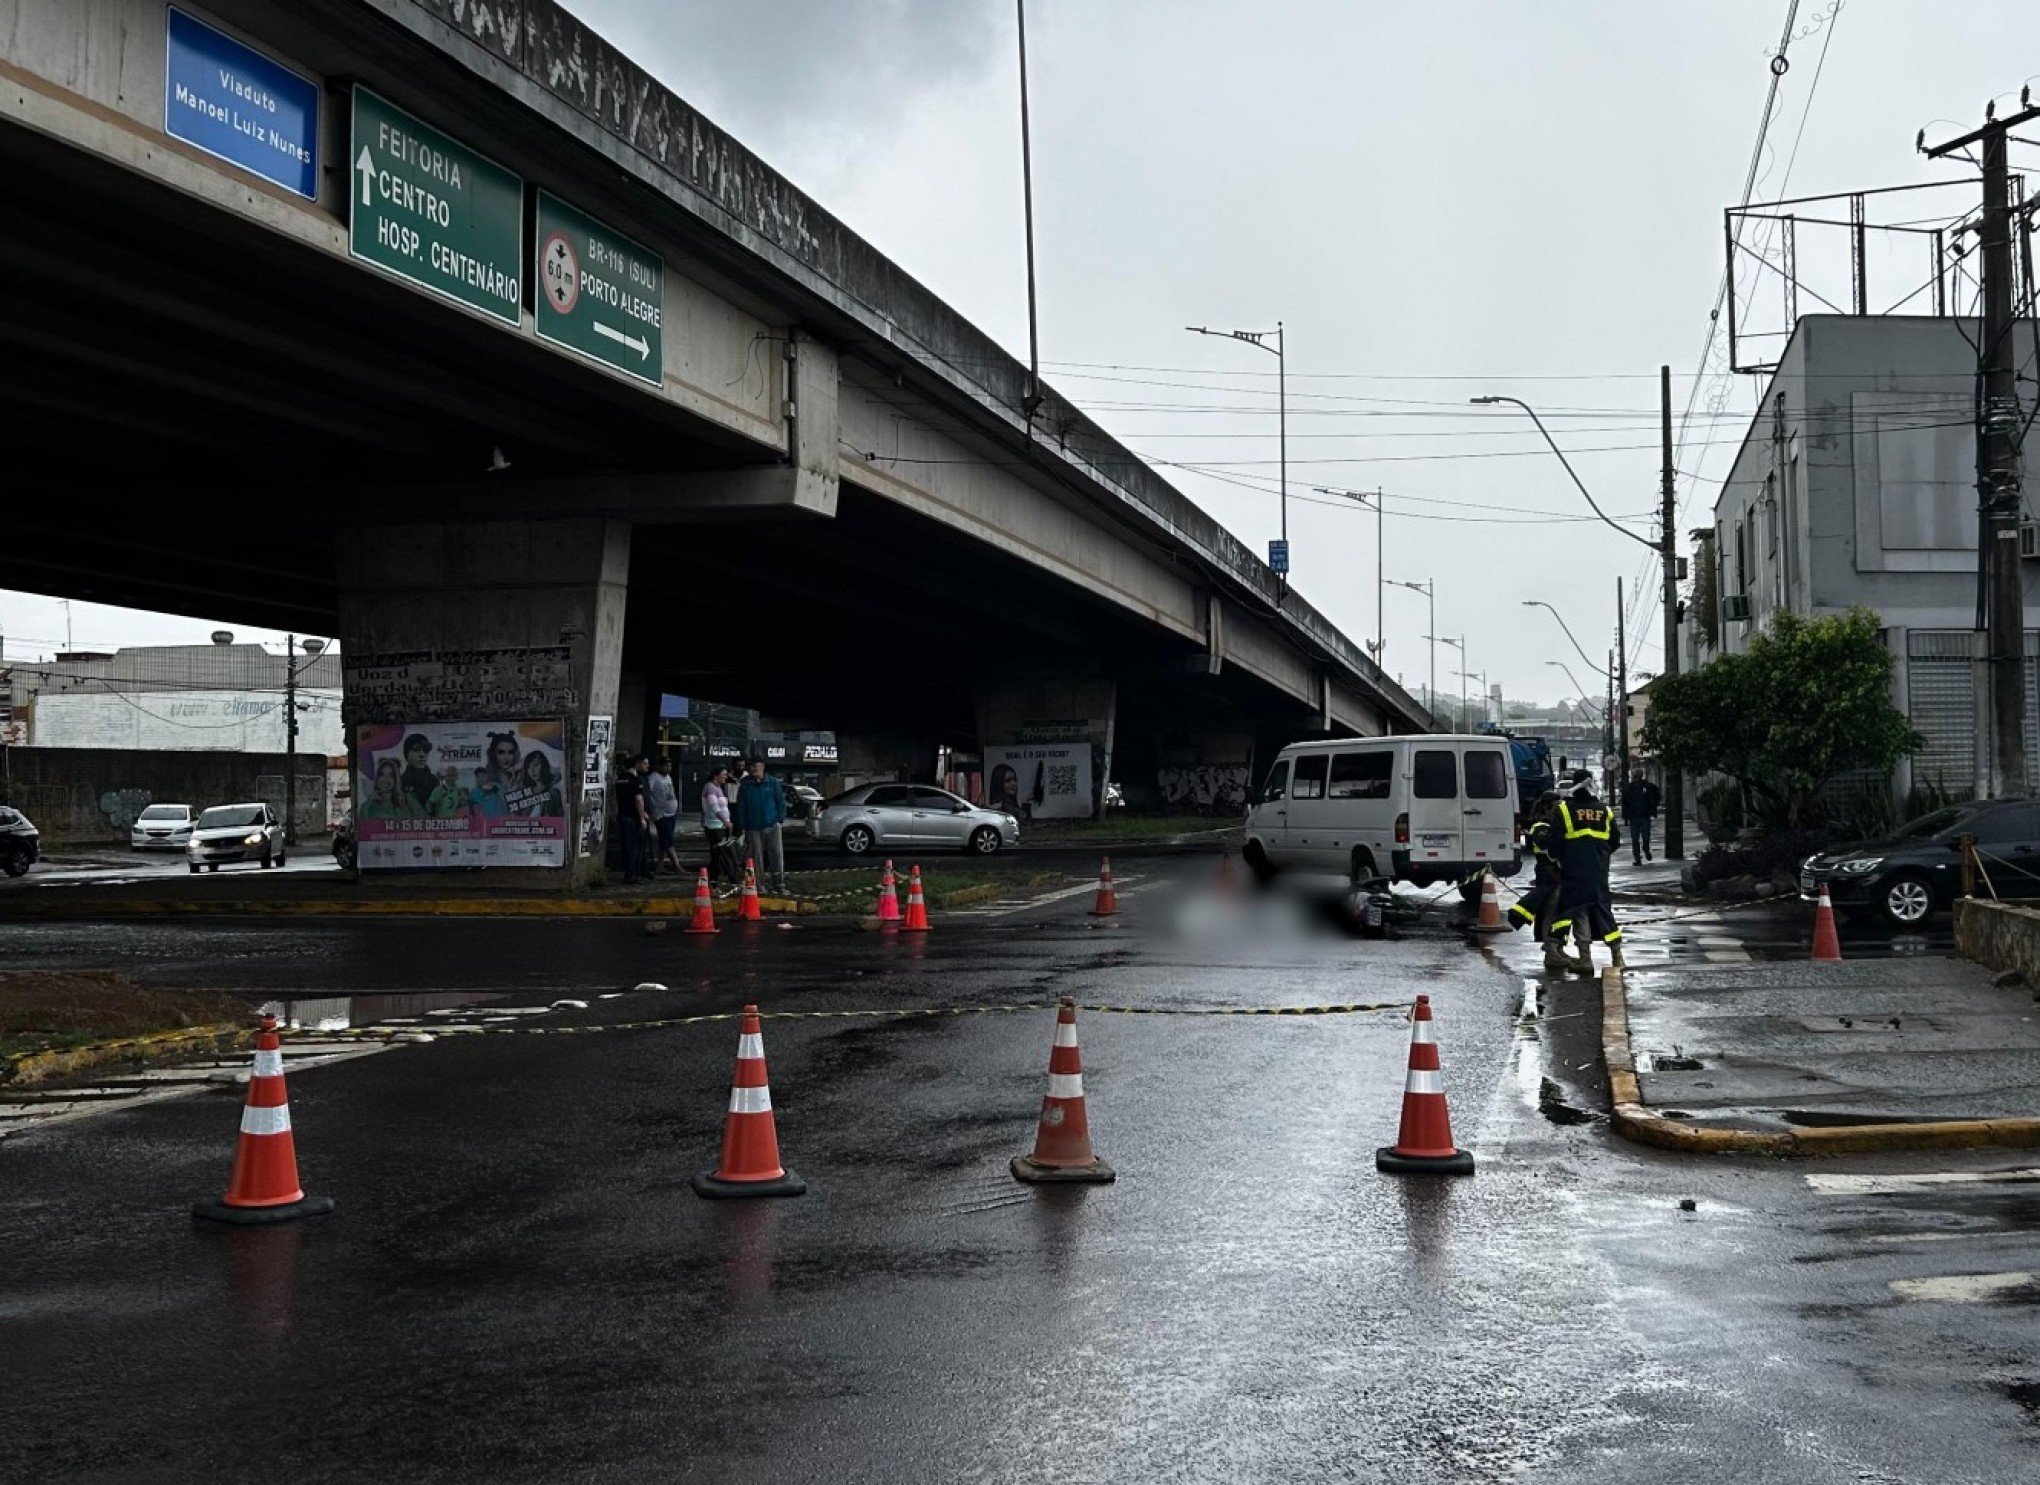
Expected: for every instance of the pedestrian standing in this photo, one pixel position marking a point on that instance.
(760, 811)
(1640, 801)
(632, 819)
(662, 803)
(716, 823)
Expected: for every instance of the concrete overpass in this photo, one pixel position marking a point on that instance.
(296, 346)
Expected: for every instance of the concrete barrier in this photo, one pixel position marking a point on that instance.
(1999, 935)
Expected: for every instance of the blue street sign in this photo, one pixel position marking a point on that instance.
(236, 104)
(1278, 556)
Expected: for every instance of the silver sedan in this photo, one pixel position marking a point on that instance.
(886, 815)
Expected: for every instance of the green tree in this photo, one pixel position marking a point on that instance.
(1809, 700)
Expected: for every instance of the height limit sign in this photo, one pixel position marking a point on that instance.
(599, 293)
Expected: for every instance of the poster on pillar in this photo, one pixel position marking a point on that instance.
(1040, 781)
(440, 795)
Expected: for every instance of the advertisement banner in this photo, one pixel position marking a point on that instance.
(453, 794)
(1040, 781)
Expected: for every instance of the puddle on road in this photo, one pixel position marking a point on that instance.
(338, 1012)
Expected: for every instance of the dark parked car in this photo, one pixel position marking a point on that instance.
(20, 842)
(1917, 871)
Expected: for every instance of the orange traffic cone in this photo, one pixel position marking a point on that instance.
(264, 1186)
(1424, 1142)
(1062, 1141)
(888, 898)
(1490, 920)
(747, 905)
(704, 906)
(1108, 901)
(1827, 944)
(917, 906)
(750, 1143)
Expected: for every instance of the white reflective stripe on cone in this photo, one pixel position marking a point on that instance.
(1423, 1080)
(1420, 1031)
(1065, 1085)
(272, 1120)
(269, 1064)
(1065, 1033)
(751, 1047)
(750, 1100)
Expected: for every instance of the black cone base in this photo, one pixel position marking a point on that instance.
(1097, 1172)
(1458, 1163)
(219, 1211)
(787, 1184)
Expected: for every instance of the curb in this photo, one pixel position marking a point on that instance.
(32, 1069)
(416, 907)
(1635, 1120)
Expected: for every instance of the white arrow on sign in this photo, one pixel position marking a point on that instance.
(366, 165)
(636, 342)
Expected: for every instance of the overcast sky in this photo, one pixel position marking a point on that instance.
(1438, 201)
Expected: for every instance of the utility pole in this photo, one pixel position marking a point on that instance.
(1280, 352)
(1998, 428)
(1608, 727)
(1032, 400)
(1621, 693)
(1675, 800)
(290, 740)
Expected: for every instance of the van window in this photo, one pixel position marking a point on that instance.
(1278, 782)
(1309, 782)
(1361, 775)
(1487, 776)
(1434, 775)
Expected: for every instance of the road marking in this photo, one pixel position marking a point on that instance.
(1008, 909)
(1925, 1181)
(1960, 1289)
(1882, 1238)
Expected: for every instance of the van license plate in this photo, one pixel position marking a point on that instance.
(1434, 842)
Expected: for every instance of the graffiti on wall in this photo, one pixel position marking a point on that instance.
(1204, 788)
(122, 806)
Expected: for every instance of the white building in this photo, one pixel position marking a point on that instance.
(199, 698)
(1856, 486)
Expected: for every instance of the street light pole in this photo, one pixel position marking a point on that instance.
(1373, 498)
(1279, 352)
(1032, 399)
(1429, 588)
(1540, 603)
(1459, 645)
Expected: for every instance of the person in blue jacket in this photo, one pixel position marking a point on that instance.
(759, 810)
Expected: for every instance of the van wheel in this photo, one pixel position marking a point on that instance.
(1258, 862)
(1364, 868)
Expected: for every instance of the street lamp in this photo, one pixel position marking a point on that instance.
(1458, 644)
(1464, 677)
(1260, 338)
(1373, 498)
(1429, 588)
(1517, 401)
(312, 648)
(1540, 603)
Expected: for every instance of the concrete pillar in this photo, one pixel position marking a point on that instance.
(490, 622)
(1047, 743)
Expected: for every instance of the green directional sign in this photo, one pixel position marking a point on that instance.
(598, 292)
(433, 211)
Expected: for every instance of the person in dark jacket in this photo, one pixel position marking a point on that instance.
(1533, 908)
(760, 811)
(1587, 837)
(1640, 802)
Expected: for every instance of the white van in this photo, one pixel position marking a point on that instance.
(1418, 809)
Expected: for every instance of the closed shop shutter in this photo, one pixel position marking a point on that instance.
(1941, 699)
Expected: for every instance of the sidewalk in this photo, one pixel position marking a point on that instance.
(1799, 1056)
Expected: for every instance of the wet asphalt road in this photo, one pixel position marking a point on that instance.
(519, 1284)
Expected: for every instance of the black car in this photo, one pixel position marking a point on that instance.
(20, 842)
(1918, 869)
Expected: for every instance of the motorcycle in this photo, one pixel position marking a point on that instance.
(20, 842)
(343, 845)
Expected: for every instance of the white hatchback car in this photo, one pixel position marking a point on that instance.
(162, 827)
(235, 832)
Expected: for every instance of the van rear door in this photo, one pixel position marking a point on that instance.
(1489, 807)
(1436, 826)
